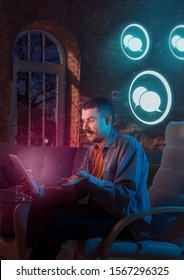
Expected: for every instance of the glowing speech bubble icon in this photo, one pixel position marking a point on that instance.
(150, 101)
(150, 97)
(176, 42)
(127, 39)
(135, 45)
(180, 45)
(137, 94)
(135, 41)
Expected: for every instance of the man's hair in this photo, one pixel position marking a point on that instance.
(101, 103)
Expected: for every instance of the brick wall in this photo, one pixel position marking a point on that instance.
(90, 32)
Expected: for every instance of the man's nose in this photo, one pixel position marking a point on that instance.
(85, 125)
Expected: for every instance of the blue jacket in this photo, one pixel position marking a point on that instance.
(123, 188)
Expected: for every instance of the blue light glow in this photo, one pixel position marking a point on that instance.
(176, 42)
(150, 97)
(135, 41)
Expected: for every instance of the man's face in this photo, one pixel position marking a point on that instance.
(95, 125)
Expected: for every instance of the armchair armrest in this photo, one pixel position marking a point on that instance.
(15, 249)
(20, 217)
(124, 222)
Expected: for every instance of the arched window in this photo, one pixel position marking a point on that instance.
(38, 107)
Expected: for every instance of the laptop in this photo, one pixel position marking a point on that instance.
(23, 172)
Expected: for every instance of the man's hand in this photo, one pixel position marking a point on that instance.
(83, 174)
(79, 178)
(27, 189)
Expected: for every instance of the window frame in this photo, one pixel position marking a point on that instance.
(42, 67)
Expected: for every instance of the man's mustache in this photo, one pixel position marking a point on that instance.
(89, 131)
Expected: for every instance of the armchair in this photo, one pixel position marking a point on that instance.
(167, 210)
(13, 247)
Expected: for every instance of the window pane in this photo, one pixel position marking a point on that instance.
(43, 109)
(37, 97)
(51, 51)
(22, 108)
(36, 47)
(37, 94)
(50, 109)
(20, 51)
(37, 106)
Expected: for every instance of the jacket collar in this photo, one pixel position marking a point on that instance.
(111, 141)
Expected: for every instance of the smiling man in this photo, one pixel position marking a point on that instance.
(113, 175)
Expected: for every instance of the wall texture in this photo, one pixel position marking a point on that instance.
(91, 30)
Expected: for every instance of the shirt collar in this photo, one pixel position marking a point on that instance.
(101, 144)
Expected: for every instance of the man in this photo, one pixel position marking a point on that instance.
(113, 175)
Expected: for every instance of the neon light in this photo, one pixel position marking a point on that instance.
(135, 41)
(150, 97)
(176, 42)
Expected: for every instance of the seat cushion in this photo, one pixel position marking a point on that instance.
(147, 249)
(153, 249)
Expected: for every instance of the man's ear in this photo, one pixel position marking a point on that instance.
(108, 119)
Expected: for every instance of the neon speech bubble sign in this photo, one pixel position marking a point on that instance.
(135, 41)
(176, 42)
(150, 97)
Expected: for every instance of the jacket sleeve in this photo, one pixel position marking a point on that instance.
(120, 191)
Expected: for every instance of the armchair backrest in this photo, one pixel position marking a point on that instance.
(168, 184)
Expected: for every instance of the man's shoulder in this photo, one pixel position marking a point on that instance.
(128, 140)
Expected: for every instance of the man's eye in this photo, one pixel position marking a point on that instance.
(91, 120)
